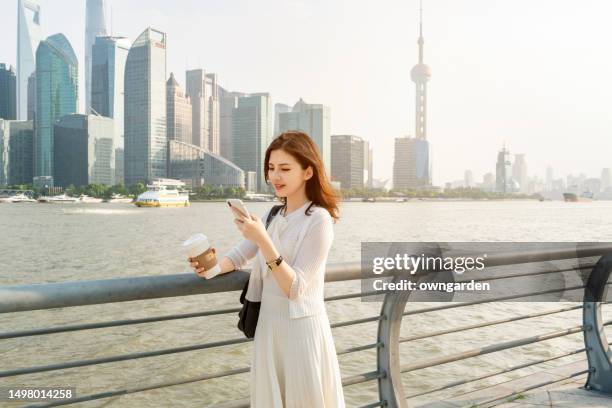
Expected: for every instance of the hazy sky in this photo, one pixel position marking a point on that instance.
(535, 74)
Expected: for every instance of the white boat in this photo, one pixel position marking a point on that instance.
(259, 197)
(164, 193)
(89, 200)
(20, 198)
(118, 198)
(63, 198)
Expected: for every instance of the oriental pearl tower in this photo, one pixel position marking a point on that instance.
(420, 74)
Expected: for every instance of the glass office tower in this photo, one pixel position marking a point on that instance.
(29, 34)
(95, 26)
(57, 90)
(252, 134)
(8, 84)
(109, 55)
(84, 151)
(16, 141)
(145, 109)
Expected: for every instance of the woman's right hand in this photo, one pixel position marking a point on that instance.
(200, 271)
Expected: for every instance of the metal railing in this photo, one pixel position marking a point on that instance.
(23, 298)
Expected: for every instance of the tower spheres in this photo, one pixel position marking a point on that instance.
(412, 162)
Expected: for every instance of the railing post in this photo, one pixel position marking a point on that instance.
(598, 352)
(390, 387)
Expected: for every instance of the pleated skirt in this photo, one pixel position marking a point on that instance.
(294, 362)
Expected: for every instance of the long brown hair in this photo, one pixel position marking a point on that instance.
(318, 188)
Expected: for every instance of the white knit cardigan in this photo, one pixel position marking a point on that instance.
(304, 242)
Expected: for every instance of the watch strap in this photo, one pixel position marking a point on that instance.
(275, 262)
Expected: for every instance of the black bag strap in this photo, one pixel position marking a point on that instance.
(273, 211)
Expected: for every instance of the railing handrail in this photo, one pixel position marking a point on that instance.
(20, 298)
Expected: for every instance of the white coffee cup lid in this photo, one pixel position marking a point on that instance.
(196, 244)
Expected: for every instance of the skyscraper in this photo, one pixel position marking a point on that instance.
(84, 151)
(228, 102)
(4, 141)
(549, 178)
(411, 164)
(278, 109)
(108, 58)
(488, 182)
(8, 84)
(145, 109)
(347, 160)
(368, 164)
(178, 108)
(32, 96)
(519, 172)
(606, 179)
(503, 172)
(16, 145)
(95, 26)
(315, 120)
(203, 90)
(28, 37)
(468, 179)
(57, 76)
(214, 114)
(252, 133)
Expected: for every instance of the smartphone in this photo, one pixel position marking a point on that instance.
(237, 204)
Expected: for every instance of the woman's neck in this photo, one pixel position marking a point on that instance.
(295, 201)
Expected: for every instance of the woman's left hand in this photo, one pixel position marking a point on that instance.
(252, 228)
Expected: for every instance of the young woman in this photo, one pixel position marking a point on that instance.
(294, 362)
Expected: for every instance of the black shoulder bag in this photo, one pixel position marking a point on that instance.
(248, 315)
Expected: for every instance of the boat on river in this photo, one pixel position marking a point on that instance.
(62, 198)
(164, 193)
(20, 198)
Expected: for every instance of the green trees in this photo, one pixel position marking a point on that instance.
(208, 192)
(455, 193)
(363, 192)
(136, 189)
(104, 191)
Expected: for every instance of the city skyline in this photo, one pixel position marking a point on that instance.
(520, 82)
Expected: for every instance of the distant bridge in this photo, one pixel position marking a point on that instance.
(6, 192)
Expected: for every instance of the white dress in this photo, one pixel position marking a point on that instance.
(294, 362)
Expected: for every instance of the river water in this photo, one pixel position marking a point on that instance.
(70, 242)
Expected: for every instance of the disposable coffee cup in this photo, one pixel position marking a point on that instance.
(198, 247)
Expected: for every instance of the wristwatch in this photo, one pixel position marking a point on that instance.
(274, 262)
